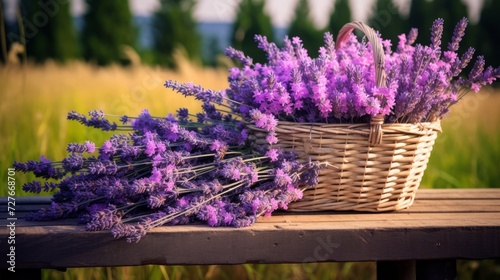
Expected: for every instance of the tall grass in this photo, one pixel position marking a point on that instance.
(228, 272)
(35, 101)
(467, 152)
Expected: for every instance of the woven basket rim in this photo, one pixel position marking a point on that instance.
(420, 128)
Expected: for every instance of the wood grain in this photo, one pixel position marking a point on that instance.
(441, 224)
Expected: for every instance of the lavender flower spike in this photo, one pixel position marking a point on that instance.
(458, 34)
(238, 55)
(189, 89)
(412, 36)
(437, 33)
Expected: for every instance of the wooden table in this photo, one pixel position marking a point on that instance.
(442, 225)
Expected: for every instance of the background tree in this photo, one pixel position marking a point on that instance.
(424, 12)
(340, 15)
(4, 29)
(50, 26)
(303, 27)
(421, 16)
(174, 28)
(251, 19)
(107, 29)
(488, 41)
(387, 19)
(451, 11)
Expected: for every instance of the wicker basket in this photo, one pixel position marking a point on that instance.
(373, 167)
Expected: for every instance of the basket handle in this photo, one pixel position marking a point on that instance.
(376, 122)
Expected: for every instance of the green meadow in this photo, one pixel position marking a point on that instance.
(36, 99)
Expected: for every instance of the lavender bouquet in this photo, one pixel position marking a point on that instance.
(331, 107)
(166, 171)
(338, 86)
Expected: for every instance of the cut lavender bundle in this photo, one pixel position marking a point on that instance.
(338, 86)
(167, 171)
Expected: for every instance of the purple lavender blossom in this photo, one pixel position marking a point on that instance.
(97, 120)
(437, 33)
(189, 89)
(458, 34)
(412, 36)
(53, 212)
(238, 55)
(106, 167)
(73, 163)
(183, 114)
(220, 148)
(88, 147)
(273, 154)
(133, 233)
(33, 187)
(42, 169)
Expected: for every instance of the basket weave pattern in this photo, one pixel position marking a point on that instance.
(361, 177)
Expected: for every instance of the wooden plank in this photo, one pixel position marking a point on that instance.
(447, 208)
(28, 200)
(419, 206)
(458, 218)
(449, 194)
(379, 221)
(72, 246)
(431, 229)
(422, 194)
(23, 205)
(459, 198)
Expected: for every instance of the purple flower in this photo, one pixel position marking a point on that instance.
(219, 148)
(412, 36)
(243, 222)
(183, 114)
(73, 163)
(33, 187)
(209, 214)
(130, 153)
(156, 175)
(105, 167)
(189, 89)
(155, 201)
(133, 233)
(458, 34)
(265, 121)
(43, 169)
(150, 148)
(238, 55)
(124, 119)
(167, 158)
(273, 154)
(102, 220)
(437, 33)
(96, 120)
(281, 179)
(88, 147)
(107, 148)
(386, 96)
(53, 212)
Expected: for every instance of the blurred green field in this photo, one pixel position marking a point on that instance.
(36, 99)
